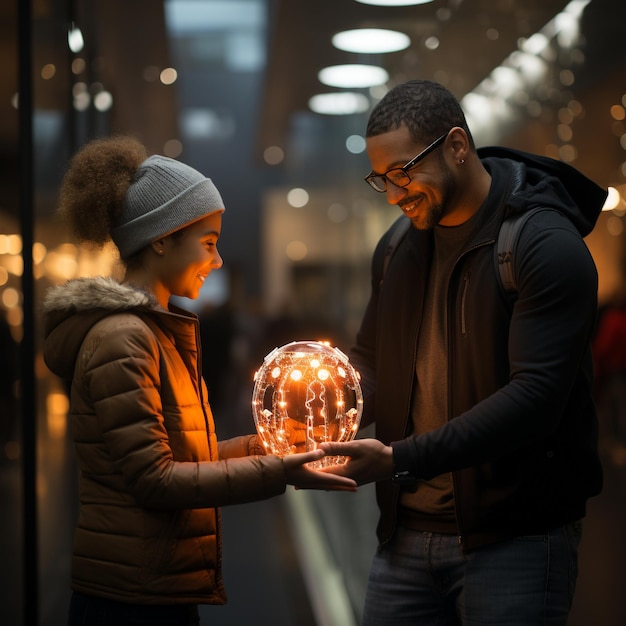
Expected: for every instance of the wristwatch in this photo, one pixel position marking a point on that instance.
(402, 476)
(405, 480)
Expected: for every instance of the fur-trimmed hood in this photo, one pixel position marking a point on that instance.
(71, 309)
(87, 294)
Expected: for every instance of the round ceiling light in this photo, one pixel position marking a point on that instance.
(341, 103)
(353, 75)
(394, 3)
(371, 40)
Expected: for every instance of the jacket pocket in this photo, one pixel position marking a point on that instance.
(162, 532)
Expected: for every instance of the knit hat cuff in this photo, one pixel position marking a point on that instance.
(191, 205)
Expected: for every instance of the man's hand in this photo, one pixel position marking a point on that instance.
(303, 477)
(369, 460)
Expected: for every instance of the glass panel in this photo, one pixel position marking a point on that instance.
(11, 502)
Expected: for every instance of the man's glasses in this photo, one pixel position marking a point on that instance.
(399, 176)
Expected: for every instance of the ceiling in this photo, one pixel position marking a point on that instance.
(474, 37)
(300, 45)
(267, 107)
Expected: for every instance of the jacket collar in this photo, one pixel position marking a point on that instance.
(71, 310)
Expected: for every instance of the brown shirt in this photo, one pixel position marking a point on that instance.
(431, 506)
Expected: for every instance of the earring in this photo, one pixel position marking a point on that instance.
(159, 252)
(461, 161)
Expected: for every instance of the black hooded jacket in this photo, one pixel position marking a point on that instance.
(521, 436)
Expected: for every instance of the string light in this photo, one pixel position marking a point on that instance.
(306, 393)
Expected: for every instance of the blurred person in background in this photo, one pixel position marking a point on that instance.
(147, 546)
(609, 355)
(486, 448)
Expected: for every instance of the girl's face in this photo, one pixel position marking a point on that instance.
(190, 255)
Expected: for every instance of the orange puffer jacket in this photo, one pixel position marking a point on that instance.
(152, 474)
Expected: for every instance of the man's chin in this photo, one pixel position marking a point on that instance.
(423, 222)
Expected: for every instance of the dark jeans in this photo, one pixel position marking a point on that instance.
(425, 578)
(91, 611)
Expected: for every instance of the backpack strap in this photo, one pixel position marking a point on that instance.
(507, 244)
(505, 253)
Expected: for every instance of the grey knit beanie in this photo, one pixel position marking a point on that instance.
(165, 196)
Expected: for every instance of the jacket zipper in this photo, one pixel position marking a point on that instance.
(466, 280)
(203, 400)
(451, 345)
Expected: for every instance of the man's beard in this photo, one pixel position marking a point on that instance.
(437, 212)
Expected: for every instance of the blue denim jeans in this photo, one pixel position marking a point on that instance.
(91, 611)
(426, 579)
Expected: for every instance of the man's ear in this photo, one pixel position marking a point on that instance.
(459, 143)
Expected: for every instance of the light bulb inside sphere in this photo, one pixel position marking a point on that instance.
(306, 393)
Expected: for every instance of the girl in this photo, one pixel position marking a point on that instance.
(147, 547)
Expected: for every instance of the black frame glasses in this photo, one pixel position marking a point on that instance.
(400, 175)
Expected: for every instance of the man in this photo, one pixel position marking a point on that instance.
(486, 430)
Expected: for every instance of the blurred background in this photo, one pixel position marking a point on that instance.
(251, 93)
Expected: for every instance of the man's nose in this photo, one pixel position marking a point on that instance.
(395, 193)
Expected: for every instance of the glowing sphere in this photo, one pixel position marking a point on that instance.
(306, 393)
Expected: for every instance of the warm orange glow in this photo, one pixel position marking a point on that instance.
(306, 393)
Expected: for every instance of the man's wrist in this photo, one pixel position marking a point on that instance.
(403, 474)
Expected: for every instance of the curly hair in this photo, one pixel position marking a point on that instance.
(93, 189)
(426, 108)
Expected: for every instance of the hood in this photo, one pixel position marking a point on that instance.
(547, 182)
(70, 310)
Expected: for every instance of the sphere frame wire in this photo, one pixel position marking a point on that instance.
(306, 393)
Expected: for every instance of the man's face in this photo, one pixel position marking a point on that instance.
(427, 198)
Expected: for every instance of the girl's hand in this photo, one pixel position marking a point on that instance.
(303, 477)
